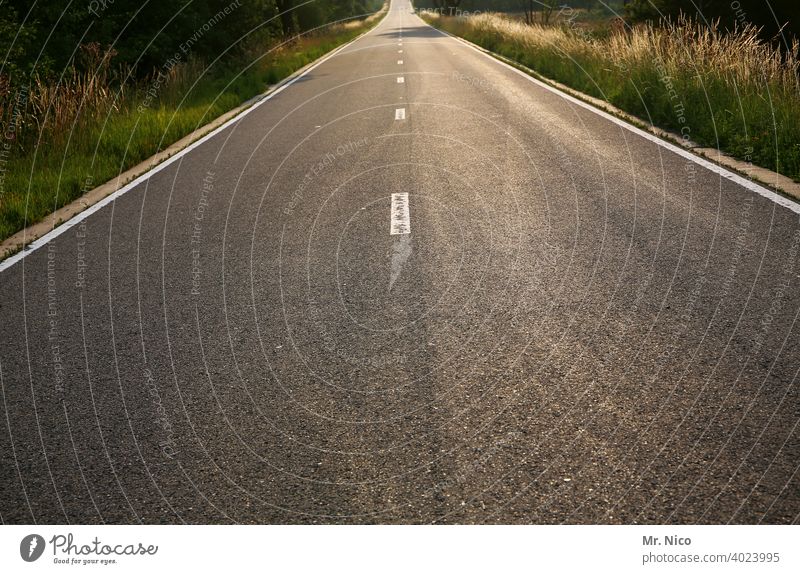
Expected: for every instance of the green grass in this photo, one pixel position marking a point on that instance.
(729, 91)
(50, 168)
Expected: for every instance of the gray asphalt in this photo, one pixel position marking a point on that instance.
(582, 326)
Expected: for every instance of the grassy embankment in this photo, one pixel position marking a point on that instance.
(731, 91)
(69, 137)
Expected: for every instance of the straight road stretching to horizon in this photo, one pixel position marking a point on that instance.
(414, 286)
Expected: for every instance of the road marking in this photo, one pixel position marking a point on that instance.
(401, 80)
(400, 114)
(399, 51)
(401, 218)
(401, 252)
(400, 62)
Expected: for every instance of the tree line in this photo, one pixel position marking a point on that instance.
(778, 19)
(45, 37)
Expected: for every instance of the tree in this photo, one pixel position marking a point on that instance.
(447, 5)
(548, 6)
(16, 44)
(528, 8)
(544, 8)
(287, 15)
(147, 33)
(778, 19)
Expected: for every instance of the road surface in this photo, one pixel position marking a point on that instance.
(412, 287)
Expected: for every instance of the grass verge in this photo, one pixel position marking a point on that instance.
(62, 140)
(731, 91)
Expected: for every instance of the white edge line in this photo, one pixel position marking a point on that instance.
(709, 165)
(73, 221)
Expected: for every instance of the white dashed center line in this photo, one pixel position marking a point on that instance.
(401, 80)
(400, 62)
(401, 218)
(400, 114)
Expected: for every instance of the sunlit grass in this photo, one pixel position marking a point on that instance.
(83, 129)
(730, 91)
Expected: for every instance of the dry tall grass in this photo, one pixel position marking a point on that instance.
(741, 56)
(83, 94)
(735, 91)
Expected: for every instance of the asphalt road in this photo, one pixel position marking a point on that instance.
(560, 321)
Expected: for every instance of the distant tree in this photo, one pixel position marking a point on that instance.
(147, 33)
(529, 9)
(548, 6)
(447, 4)
(288, 17)
(16, 45)
(778, 19)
